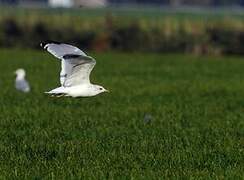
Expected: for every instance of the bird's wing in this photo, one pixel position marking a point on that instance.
(78, 69)
(61, 49)
(22, 85)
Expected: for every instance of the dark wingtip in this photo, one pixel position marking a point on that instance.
(44, 43)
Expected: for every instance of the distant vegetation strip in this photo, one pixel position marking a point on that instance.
(121, 30)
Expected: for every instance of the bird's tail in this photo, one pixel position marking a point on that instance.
(60, 91)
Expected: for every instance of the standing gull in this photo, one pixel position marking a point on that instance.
(76, 67)
(20, 83)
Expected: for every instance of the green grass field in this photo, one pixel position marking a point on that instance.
(196, 129)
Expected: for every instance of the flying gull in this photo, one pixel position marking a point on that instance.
(20, 83)
(76, 67)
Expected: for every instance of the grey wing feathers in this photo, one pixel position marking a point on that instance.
(22, 85)
(78, 59)
(61, 49)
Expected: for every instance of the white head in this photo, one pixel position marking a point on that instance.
(20, 73)
(99, 89)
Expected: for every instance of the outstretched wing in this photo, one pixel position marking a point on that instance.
(72, 58)
(78, 68)
(61, 49)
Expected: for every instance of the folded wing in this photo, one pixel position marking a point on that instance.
(22, 85)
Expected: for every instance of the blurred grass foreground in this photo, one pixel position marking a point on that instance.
(108, 29)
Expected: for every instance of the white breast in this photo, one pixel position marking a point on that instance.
(81, 91)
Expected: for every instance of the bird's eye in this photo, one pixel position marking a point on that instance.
(100, 88)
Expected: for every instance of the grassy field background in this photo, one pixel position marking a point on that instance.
(166, 116)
